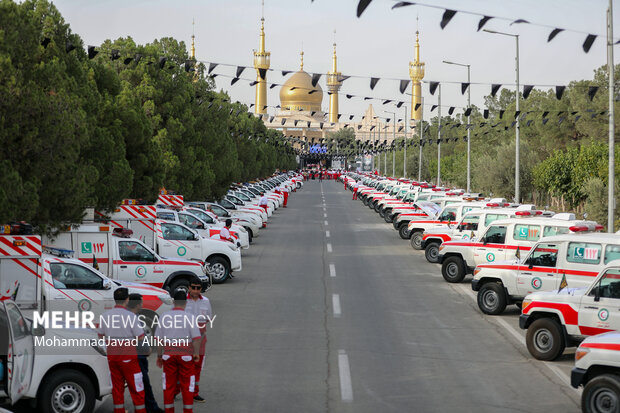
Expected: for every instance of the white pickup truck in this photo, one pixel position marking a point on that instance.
(121, 257)
(575, 257)
(597, 369)
(500, 242)
(559, 319)
(56, 379)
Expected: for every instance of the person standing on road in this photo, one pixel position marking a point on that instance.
(264, 202)
(355, 188)
(135, 306)
(199, 307)
(120, 327)
(179, 349)
(285, 192)
(225, 231)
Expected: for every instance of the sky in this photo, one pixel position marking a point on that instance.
(378, 44)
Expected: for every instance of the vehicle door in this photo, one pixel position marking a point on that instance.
(16, 349)
(179, 242)
(599, 310)
(539, 270)
(493, 245)
(137, 263)
(467, 227)
(76, 287)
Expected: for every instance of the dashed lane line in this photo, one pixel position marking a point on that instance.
(346, 388)
(336, 305)
(327, 234)
(332, 270)
(329, 247)
(326, 223)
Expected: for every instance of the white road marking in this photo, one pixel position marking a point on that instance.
(336, 305)
(329, 247)
(327, 234)
(346, 388)
(324, 215)
(332, 270)
(561, 375)
(326, 223)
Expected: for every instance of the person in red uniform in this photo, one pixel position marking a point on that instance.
(199, 307)
(263, 203)
(285, 193)
(355, 188)
(225, 231)
(120, 327)
(178, 352)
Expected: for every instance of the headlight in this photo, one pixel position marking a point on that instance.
(166, 299)
(581, 352)
(525, 303)
(231, 246)
(476, 271)
(441, 247)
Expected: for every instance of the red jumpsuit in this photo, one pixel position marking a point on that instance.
(178, 360)
(123, 358)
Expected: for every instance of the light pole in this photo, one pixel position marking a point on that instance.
(439, 138)
(517, 189)
(393, 140)
(611, 200)
(468, 119)
(405, 147)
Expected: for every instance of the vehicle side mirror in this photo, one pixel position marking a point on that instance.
(107, 284)
(597, 293)
(196, 237)
(38, 331)
(484, 241)
(530, 263)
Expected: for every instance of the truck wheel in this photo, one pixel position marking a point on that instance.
(387, 216)
(544, 339)
(382, 213)
(67, 391)
(403, 231)
(453, 269)
(377, 206)
(416, 240)
(220, 269)
(179, 284)
(492, 298)
(431, 252)
(601, 394)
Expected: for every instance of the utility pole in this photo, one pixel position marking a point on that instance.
(611, 201)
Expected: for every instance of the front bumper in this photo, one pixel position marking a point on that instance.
(577, 377)
(475, 285)
(523, 321)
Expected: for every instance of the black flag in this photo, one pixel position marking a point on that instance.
(403, 85)
(373, 82)
(559, 91)
(447, 16)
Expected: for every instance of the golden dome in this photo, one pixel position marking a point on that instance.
(297, 93)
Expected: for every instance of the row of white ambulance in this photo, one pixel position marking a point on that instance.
(150, 249)
(561, 271)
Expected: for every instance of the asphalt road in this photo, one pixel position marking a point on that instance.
(333, 312)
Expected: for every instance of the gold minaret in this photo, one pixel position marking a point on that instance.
(193, 56)
(416, 73)
(334, 81)
(262, 60)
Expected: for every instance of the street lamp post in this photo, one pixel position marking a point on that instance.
(393, 140)
(611, 200)
(468, 120)
(405, 146)
(517, 126)
(439, 138)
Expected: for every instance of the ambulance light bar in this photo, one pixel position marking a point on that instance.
(527, 213)
(598, 227)
(579, 228)
(122, 232)
(134, 202)
(58, 252)
(16, 228)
